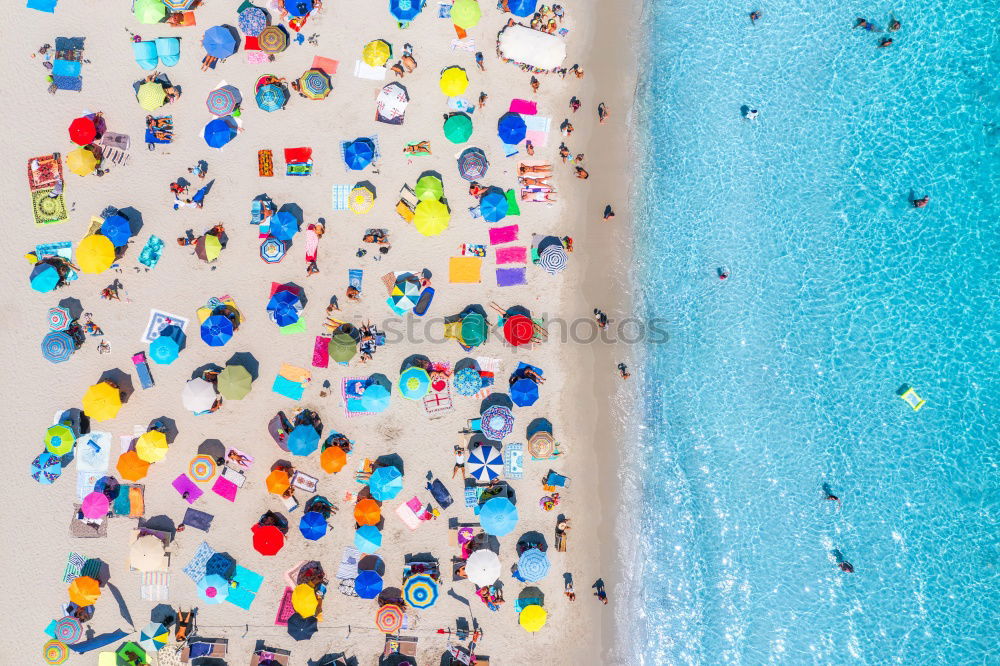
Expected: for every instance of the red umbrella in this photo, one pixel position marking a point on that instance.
(267, 539)
(82, 131)
(519, 330)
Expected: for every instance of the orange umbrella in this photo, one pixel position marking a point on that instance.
(367, 512)
(84, 591)
(131, 467)
(333, 459)
(278, 481)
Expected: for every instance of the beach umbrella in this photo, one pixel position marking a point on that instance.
(150, 11)
(493, 205)
(485, 463)
(458, 127)
(367, 512)
(271, 97)
(272, 250)
(154, 636)
(303, 440)
(95, 505)
(518, 330)
(389, 619)
(223, 100)
(333, 459)
(166, 347)
(57, 346)
(252, 21)
(497, 422)
(368, 584)
(284, 307)
(483, 567)
(179, 5)
(213, 588)
(272, 39)
(152, 446)
(234, 382)
(498, 516)
(44, 277)
(95, 254)
(454, 81)
(81, 161)
(220, 41)
(59, 439)
(385, 483)
(68, 630)
(420, 591)
(267, 539)
(522, 8)
(533, 565)
(414, 383)
(511, 128)
(553, 259)
(343, 347)
(55, 652)
(473, 329)
(375, 398)
(429, 188)
(220, 131)
(376, 53)
(151, 95)
(202, 468)
(472, 164)
(283, 226)
(315, 84)
(405, 292)
(367, 539)
(465, 13)
(217, 330)
(361, 199)
(541, 445)
(430, 218)
(391, 101)
(467, 381)
(198, 395)
(102, 401)
(532, 618)
(298, 8)
(146, 554)
(405, 10)
(84, 590)
(82, 131)
(359, 153)
(524, 392)
(117, 229)
(304, 599)
(277, 482)
(46, 468)
(312, 525)
(131, 467)
(301, 628)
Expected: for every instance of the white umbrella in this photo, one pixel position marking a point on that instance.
(391, 102)
(146, 554)
(483, 567)
(198, 395)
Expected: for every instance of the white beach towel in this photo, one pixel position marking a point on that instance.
(340, 196)
(366, 71)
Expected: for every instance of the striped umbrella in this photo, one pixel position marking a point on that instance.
(485, 463)
(389, 619)
(497, 422)
(541, 445)
(272, 39)
(154, 636)
(252, 21)
(272, 250)
(68, 630)
(361, 200)
(55, 652)
(472, 164)
(46, 468)
(202, 468)
(178, 5)
(315, 84)
(59, 318)
(57, 347)
(223, 100)
(420, 591)
(553, 259)
(533, 565)
(271, 97)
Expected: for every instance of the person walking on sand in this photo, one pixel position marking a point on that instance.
(609, 213)
(602, 112)
(623, 371)
(482, 99)
(480, 61)
(574, 103)
(563, 152)
(200, 169)
(534, 85)
(601, 593)
(459, 462)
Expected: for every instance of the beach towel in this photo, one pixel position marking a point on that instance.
(365, 71)
(198, 519)
(265, 163)
(512, 207)
(154, 586)
(312, 244)
(321, 352)
(182, 484)
(421, 152)
(523, 106)
(340, 196)
(285, 609)
(440, 494)
(74, 567)
(472, 250)
(348, 567)
(510, 277)
(328, 65)
(354, 277)
(158, 319)
(136, 501)
(408, 516)
(93, 452)
(298, 161)
(509, 149)
(444, 10)
(463, 45)
(489, 368)
(43, 5)
(438, 402)
(464, 270)
(151, 252)
(197, 567)
(515, 254)
(44, 172)
(225, 488)
(472, 494)
(351, 389)
(501, 235)
(513, 461)
(66, 68)
(538, 130)
(245, 588)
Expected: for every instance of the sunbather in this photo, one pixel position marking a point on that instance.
(535, 182)
(581, 173)
(537, 197)
(539, 169)
(397, 69)
(422, 147)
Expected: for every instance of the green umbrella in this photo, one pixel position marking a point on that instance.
(465, 13)
(59, 440)
(430, 188)
(234, 382)
(473, 329)
(150, 11)
(458, 128)
(343, 347)
(151, 96)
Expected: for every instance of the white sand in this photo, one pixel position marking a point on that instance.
(574, 397)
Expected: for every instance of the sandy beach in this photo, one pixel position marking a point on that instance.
(581, 382)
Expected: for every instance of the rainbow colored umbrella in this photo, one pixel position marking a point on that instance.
(420, 591)
(202, 468)
(472, 164)
(223, 100)
(68, 630)
(315, 84)
(272, 39)
(55, 652)
(389, 619)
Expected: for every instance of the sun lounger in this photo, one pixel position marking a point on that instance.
(404, 645)
(269, 655)
(290, 503)
(145, 55)
(196, 648)
(169, 50)
(83, 529)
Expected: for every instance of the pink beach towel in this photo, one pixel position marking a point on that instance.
(225, 488)
(321, 352)
(285, 609)
(182, 484)
(523, 106)
(515, 254)
(312, 244)
(509, 277)
(500, 235)
(328, 65)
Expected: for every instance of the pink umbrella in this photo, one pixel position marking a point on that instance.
(95, 505)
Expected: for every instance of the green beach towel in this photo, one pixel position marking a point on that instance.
(512, 207)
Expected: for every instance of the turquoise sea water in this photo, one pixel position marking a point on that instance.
(784, 376)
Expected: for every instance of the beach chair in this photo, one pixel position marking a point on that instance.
(404, 645)
(364, 472)
(291, 504)
(142, 369)
(197, 648)
(269, 655)
(169, 50)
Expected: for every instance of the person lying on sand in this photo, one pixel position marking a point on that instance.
(525, 169)
(422, 147)
(535, 182)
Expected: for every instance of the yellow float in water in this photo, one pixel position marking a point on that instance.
(910, 397)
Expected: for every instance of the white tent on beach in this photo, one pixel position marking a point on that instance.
(531, 47)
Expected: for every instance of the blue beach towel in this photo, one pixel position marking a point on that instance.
(74, 83)
(513, 461)
(354, 276)
(43, 5)
(340, 195)
(69, 68)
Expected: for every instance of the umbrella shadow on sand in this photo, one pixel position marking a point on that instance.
(533, 537)
(122, 379)
(248, 362)
(391, 460)
(213, 448)
(496, 399)
(74, 306)
(334, 659)
(134, 218)
(412, 360)
(168, 426)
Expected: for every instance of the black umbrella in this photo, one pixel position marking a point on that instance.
(301, 628)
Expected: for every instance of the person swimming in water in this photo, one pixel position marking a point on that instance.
(865, 25)
(754, 15)
(828, 494)
(920, 203)
(842, 562)
(894, 24)
(886, 41)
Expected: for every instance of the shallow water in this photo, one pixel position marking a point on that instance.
(784, 376)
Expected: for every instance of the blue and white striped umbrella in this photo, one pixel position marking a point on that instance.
(271, 97)
(533, 565)
(553, 259)
(485, 463)
(58, 346)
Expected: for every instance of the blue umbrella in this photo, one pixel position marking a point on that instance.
(44, 277)
(216, 331)
(385, 483)
(220, 41)
(368, 539)
(511, 128)
(405, 10)
(312, 525)
(303, 439)
(213, 588)
(298, 8)
(58, 347)
(467, 381)
(375, 398)
(493, 205)
(533, 565)
(284, 307)
(271, 97)
(252, 20)
(359, 153)
(498, 516)
(117, 229)
(220, 131)
(46, 468)
(165, 348)
(414, 383)
(524, 392)
(485, 463)
(522, 8)
(283, 225)
(368, 584)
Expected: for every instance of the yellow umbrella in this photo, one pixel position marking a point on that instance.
(533, 617)
(362, 199)
(210, 246)
(102, 402)
(454, 81)
(431, 217)
(81, 161)
(304, 600)
(95, 254)
(376, 53)
(465, 13)
(152, 446)
(151, 95)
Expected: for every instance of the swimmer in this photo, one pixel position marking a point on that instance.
(846, 566)
(754, 15)
(828, 494)
(894, 24)
(865, 25)
(920, 203)
(751, 114)
(623, 371)
(886, 41)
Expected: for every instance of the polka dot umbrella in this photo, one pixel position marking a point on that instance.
(467, 381)
(361, 199)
